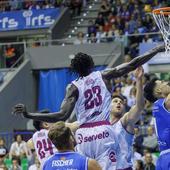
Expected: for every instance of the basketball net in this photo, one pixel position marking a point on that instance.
(162, 19)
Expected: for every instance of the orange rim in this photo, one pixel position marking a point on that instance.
(165, 11)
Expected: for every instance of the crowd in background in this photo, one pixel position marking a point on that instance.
(120, 19)
(13, 5)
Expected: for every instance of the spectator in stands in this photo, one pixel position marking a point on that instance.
(107, 26)
(148, 162)
(132, 97)
(76, 6)
(80, 39)
(127, 88)
(154, 157)
(36, 165)
(16, 5)
(92, 38)
(47, 4)
(141, 28)
(150, 141)
(91, 28)
(34, 5)
(138, 140)
(2, 159)
(19, 148)
(125, 14)
(136, 156)
(15, 164)
(139, 165)
(147, 39)
(148, 22)
(132, 24)
(10, 55)
(99, 20)
(117, 91)
(3, 167)
(100, 34)
(127, 108)
(105, 8)
(126, 29)
(3, 149)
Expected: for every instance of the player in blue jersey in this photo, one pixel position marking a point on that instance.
(158, 92)
(66, 158)
(124, 123)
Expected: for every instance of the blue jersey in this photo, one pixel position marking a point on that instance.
(162, 124)
(124, 140)
(66, 161)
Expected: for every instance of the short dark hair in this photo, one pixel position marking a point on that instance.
(118, 96)
(38, 124)
(59, 134)
(15, 158)
(149, 89)
(81, 64)
(147, 76)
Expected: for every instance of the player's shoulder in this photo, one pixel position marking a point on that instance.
(48, 161)
(39, 134)
(159, 102)
(157, 105)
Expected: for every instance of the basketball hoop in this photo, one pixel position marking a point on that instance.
(162, 19)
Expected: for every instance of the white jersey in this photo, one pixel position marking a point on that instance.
(94, 99)
(124, 140)
(43, 146)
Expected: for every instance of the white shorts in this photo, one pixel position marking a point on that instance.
(96, 141)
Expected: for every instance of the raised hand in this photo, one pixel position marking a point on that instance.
(19, 109)
(139, 72)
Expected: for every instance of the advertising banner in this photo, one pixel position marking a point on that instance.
(28, 19)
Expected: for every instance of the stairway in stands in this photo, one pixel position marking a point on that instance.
(80, 23)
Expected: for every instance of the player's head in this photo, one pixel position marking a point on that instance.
(156, 89)
(61, 136)
(82, 64)
(38, 125)
(117, 106)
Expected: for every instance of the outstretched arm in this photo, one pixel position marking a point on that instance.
(131, 117)
(64, 113)
(132, 65)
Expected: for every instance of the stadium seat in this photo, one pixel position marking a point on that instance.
(8, 163)
(24, 164)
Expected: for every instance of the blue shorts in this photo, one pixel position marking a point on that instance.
(163, 162)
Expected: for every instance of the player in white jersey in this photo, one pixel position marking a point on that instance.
(123, 124)
(67, 158)
(90, 96)
(43, 146)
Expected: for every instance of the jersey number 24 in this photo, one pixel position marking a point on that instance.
(44, 146)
